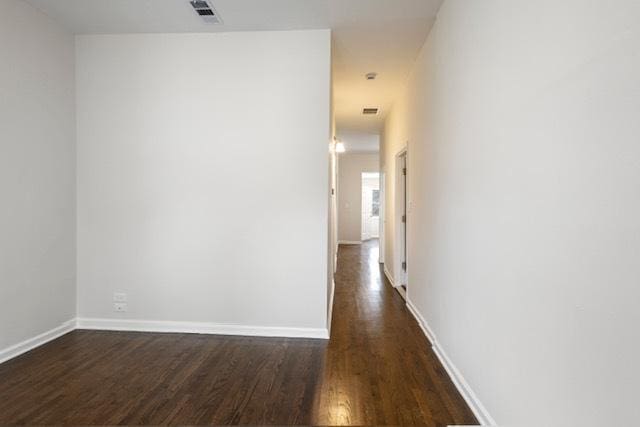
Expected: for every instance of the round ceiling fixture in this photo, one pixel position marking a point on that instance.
(371, 76)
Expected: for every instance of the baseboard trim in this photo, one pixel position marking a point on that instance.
(200, 328)
(32, 343)
(349, 242)
(389, 276)
(162, 326)
(479, 410)
(422, 323)
(402, 291)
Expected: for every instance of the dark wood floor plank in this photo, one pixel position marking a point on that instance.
(378, 368)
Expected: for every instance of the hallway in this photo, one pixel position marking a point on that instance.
(377, 369)
(380, 368)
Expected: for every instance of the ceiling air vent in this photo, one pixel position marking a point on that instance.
(205, 11)
(370, 111)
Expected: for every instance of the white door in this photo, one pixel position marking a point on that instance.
(370, 205)
(402, 208)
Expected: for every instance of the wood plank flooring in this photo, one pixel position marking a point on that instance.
(378, 368)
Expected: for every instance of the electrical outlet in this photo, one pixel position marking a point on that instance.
(119, 297)
(120, 307)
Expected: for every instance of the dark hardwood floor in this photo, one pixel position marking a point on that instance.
(378, 368)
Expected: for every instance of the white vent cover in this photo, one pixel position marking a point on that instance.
(370, 111)
(206, 11)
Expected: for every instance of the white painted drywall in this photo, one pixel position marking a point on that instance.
(202, 171)
(37, 174)
(351, 167)
(523, 122)
(358, 142)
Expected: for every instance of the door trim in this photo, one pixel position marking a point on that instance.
(401, 277)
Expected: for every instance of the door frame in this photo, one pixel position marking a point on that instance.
(401, 277)
(363, 207)
(383, 216)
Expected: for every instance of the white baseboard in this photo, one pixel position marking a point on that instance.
(423, 323)
(200, 328)
(349, 242)
(389, 276)
(461, 384)
(37, 341)
(402, 291)
(159, 326)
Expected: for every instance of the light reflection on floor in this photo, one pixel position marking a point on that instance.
(373, 260)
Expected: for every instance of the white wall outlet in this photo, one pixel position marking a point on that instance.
(120, 307)
(119, 297)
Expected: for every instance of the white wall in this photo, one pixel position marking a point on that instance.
(351, 167)
(202, 170)
(358, 142)
(37, 174)
(523, 121)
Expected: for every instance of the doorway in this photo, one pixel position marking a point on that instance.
(383, 218)
(370, 205)
(401, 263)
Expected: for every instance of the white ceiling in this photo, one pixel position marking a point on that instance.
(173, 16)
(358, 142)
(382, 36)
